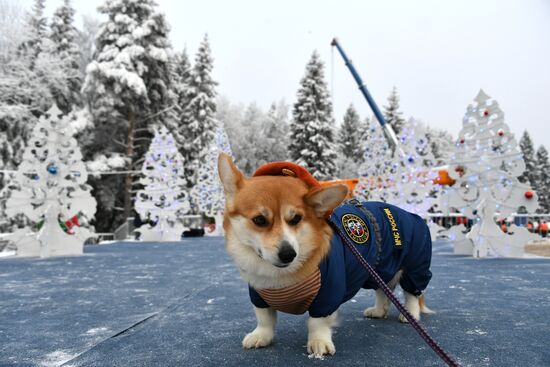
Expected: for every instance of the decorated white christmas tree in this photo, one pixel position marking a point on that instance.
(413, 182)
(376, 171)
(404, 177)
(50, 188)
(163, 199)
(208, 192)
(485, 164)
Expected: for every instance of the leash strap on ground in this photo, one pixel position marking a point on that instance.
(419, 329)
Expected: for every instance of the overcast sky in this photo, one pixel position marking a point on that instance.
(437, 53)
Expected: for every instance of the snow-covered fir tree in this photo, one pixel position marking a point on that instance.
(128, 89)
(272, 141)
(528, 150)
(197, 120)
(50, 187)
(441, 143)
(542, 178)
(162, 200)
(485, 164)
(349, 136)
(23, 94)
(208, 191)
(350, 143)
(64, 36)
(86, 41)
(312, 142)
(36, 32)
(392, 114)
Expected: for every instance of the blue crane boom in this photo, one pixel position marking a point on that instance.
(388, 130)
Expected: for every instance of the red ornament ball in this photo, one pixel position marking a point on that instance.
(462, 140)
(486, 113)
(500, 132)
(528, 194)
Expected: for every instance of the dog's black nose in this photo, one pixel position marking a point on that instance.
(286, 253)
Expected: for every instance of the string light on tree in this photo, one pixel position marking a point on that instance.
(208, 192)
(163, 199)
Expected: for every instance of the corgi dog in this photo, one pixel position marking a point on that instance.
(276, 232)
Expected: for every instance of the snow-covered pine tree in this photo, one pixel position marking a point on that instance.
(349, 136)
(350, 143)
(485, 164)
(527, 148)
(272, 141)
(86, 40)
(64, 36)
(441, 142)
(50, 187)
(162, 200)
(208, 192)
(312, 142)
(197, 120)
(542, 176)
(23, 95)
(31, 47)
(393, 116)
(128, 88)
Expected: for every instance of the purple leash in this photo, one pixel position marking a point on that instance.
(412, 321)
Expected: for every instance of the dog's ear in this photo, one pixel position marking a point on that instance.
(325, 198)
(230, 175)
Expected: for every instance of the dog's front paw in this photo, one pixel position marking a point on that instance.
(375, 313)
(257, 339)
(320, 347)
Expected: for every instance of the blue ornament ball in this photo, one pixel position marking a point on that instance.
(52, 169)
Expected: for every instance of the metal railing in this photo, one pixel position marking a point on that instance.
(531, 221)
(125, 230)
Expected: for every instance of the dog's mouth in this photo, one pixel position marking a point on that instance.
(281, 265)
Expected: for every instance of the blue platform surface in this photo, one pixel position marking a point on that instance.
(184, 304)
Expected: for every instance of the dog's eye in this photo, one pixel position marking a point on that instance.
(260, 221)
(295, 220)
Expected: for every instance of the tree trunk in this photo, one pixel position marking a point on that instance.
(130, 155)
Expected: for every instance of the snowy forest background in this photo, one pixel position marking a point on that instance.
(120, 79)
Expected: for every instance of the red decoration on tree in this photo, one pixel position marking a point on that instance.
(500, 132)
(462, 140)
(486, 113)
(529, 194)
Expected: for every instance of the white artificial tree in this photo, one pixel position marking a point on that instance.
(486, 164)
(404, 177)
(50, 189)
(163, 199)
(413, 182)
(208, 192)
(376, 171)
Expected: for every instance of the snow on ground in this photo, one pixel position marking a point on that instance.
(7, 253)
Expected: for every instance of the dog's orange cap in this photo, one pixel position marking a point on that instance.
(287, 169)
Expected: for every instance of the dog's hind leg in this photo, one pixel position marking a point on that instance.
(412, 304)
(380, 308)
(262, 336)
(382, 303)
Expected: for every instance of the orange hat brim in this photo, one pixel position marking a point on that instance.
(287, 169)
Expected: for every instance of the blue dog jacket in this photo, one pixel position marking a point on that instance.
(388, 237)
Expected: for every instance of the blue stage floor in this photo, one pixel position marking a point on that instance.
(183, 304)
